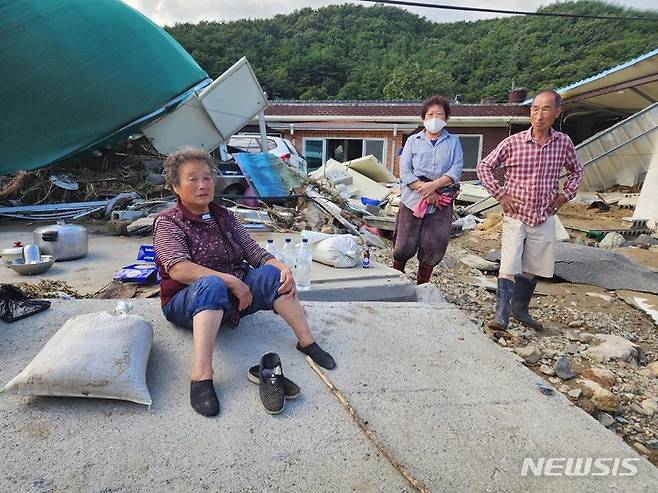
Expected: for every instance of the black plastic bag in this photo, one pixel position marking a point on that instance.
(15, 305)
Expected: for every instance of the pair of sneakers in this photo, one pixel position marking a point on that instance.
(274, 387)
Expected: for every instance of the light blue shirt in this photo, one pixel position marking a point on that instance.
(422, 158)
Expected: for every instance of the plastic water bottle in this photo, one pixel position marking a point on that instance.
(288, 253)
(366, 259)
(303, 262)
(271, 248)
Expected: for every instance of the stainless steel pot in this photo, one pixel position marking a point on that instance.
(64, 241)
(11, 253)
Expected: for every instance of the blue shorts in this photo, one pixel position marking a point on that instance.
(210, 293)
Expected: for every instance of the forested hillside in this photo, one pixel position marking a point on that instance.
(359, 52)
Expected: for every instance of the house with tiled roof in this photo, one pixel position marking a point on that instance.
(345, 130)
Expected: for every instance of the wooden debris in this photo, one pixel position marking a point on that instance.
(125, 290)
(406, 474)
(13, 186)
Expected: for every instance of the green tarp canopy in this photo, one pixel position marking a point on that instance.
(73, 73)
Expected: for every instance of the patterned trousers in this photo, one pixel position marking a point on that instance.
(428, 235)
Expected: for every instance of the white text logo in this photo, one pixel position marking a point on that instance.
(579, 466)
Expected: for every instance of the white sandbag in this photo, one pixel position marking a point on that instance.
(341, 251)
(316, 236)
(99, 355)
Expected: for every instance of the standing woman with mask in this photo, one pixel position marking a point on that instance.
(431, 160)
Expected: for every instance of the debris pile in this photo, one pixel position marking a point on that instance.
(86, 186)
(89, 177)
(47, 288)
(360, 197)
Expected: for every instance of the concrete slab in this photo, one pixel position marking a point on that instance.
(607, 269)
(458, 411)
(376, 283)
(107, 254)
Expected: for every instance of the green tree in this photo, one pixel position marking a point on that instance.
(410, 81)
(374, 52)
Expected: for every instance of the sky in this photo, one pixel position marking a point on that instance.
(169, 12)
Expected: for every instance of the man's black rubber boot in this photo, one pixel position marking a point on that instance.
(503, 296)
(520, 303)
(203, 398)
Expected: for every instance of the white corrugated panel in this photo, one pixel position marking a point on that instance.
(187, 125)
(647, 204)
(233, 99)
(620, 155)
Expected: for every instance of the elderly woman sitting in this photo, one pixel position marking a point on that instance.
(212, 270)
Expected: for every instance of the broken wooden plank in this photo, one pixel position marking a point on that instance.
(381, 222)
(332, 209)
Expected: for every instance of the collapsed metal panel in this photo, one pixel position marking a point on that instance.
(187, 125)
(270, 176)
(210, 117)
(647, 204)
(233, 99)
(621, 154)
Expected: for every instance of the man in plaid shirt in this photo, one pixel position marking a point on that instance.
(530, 163)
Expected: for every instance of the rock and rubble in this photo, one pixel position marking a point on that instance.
(612, 347)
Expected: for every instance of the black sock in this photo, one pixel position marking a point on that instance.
(203, 398)
(319, 355)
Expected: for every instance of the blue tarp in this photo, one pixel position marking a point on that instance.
(270, 176)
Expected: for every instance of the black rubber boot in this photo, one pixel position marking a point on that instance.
(523, 291)
(503, 296)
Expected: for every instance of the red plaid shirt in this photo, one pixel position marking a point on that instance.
(531, 173)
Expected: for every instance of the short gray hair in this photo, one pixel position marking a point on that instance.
(174, 162)
(558, 98)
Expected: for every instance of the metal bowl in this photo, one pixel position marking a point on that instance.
(19, 266)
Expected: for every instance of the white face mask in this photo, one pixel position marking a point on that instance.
(434, 126)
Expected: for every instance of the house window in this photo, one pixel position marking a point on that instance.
(472, 147)
(314, 153)
(374, 147)
(319, 151)
(343, 150)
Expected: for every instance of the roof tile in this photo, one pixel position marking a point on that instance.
(385, 108)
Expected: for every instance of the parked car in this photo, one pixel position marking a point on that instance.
(230, 180)
(276, 145)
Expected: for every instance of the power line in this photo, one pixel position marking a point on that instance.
(510, 12)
